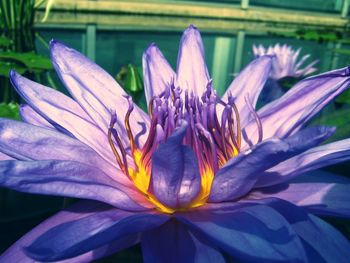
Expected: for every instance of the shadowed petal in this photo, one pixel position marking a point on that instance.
(4, 157)
(63, 113)
(175, 174)
(192, 72)
(239, 175)
(66, 178)
(157, 73)
(77, 211)
(80, 236)
(248, 232)
(319, 192)
(249, 81)
(328, 242)
(173, 243)
(30, 116)
(288, 114)
(95, 90)
(312, 159)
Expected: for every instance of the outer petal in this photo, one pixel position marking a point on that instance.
(80, 236)
(173, 243)
(63, 113)
(192, 72)
(65, 178)
(331, 245)
(248, 232)
(157, 73)
(175, 174)
(289, 113)
(319, 192)
(312, 159)
(28, 142)
(238, 176)
(95, 90)
(77, 211)
(30, 116)
(4, 157)
(249, 82)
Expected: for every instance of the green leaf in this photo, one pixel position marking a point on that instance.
(30, 60)
(5, 68)
(4, 42)
(344, 97)
(10, 110)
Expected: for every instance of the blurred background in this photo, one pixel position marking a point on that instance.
(115, 33)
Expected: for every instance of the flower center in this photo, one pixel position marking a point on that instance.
(213, 139)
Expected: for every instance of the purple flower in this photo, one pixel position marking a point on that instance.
(198, 179)
(285, 63)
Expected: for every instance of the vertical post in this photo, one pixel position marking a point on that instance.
(239, 51)
(90, 42)
(345, 9)
(222, 62)
(244, 4)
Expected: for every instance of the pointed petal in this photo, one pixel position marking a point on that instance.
(289, 113)
(319, 192)
(192, 72)
(95, 90)
(175, 174)
(157, 73)
(247, 232)
(65, 178)
(173, 243)
(249, 82)
(77, 211)
(310, 160)
(331, 245)
(239, 175)
(63, 113)
(30, 116)
(80, 236)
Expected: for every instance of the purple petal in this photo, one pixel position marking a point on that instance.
(249, 82)
(312, 159)
(289, 113)
(30, 116)
(175, 174)
(157, 73)
(66, 178)
(74, 238)
(328, 242)
(239, 175)
(248, 232)
(75, 212)
(192, 72)
(4, 157)
(63, 113)
(95, 90)
(319, 192)
(173, 243)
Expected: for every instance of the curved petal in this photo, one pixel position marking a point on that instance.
(66, 178)
(288, 114)
(157, 73)
(239, 175)
(331, 245)
(248, 232)
(319, 192)
(175, 177)
(249, 82)
(312, 159)
(4, 157)
(74, 238)
(28, 142)
(63, 113)
(95, 90)
(77, 211)
(173, 243)
(30, 116)
(192, 73)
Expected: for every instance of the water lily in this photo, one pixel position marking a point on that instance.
(198, 179)
(286, 62)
